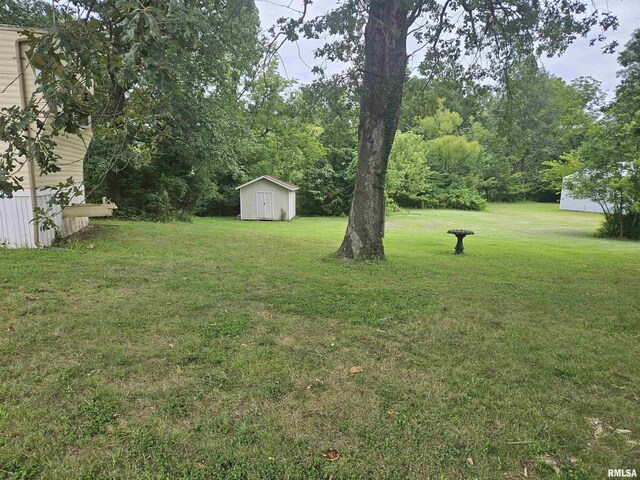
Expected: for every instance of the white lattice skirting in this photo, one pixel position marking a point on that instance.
(16, 215)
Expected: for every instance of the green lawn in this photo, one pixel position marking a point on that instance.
(222, 349)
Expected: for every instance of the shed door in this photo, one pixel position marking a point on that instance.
(264, 205)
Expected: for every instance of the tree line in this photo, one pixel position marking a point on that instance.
(187, 103)
(457, 146)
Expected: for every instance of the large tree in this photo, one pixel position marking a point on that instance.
(157, 70)
(609, 160)
(462, 38)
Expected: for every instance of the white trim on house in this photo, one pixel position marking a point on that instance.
(277, 181)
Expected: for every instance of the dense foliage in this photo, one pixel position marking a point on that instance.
(25, 13)
(186, 146)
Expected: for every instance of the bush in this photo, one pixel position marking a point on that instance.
(392, 207)
(460, 199)
(621, 226)
(407, 201)
(325, 190)
(129, 213)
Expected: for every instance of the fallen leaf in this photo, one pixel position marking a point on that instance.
(392, 411)
(331, 455)
(598, 427)
(199, 465)
(598, 431)
(31, 299)
(573, 460)
(623, 431)
(548, 460)
(593, 421)
(470, 461)
(356, 369)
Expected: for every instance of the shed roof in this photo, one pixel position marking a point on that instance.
(289, 186)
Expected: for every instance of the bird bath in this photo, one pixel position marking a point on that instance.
(460, 234)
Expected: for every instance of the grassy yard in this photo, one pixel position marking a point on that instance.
(223, 349)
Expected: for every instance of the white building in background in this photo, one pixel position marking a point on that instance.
(267, 198)
(575, 204)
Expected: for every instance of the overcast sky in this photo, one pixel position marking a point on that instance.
(579, 60)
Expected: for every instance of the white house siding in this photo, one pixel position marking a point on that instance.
(248, 210)
(71, 148)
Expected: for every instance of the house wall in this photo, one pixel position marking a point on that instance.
(248, 209)
(567, 202)
(16, 214)
(71, 148)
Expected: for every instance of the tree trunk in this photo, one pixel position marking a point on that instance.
(385, 62)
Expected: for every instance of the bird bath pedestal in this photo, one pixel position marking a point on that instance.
(460, 234)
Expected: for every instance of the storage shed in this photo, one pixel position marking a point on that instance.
(267, 198)
(17, 226)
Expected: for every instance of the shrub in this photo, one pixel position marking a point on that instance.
(460, 199)
(392, 207)
(620, 226)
